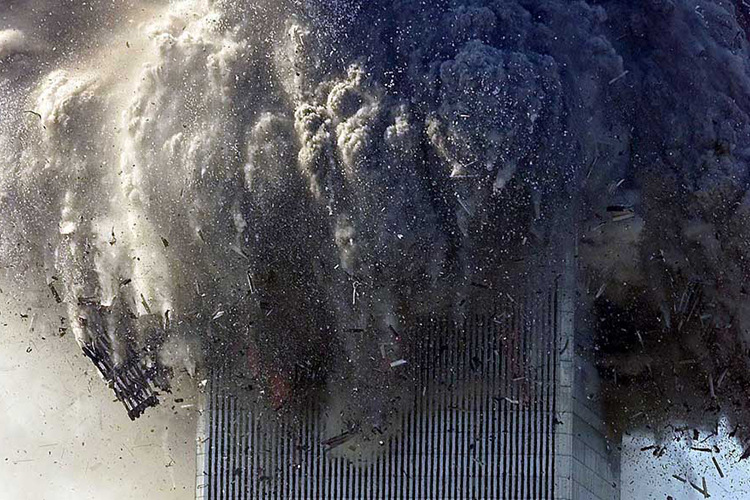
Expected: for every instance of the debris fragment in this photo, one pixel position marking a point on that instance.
(593, 164)
(164, 241)
(338, 440)
(700, 490)
(620, 76)
(688, 362)
(721, 377)
(239, 252)
(134, 384)
(463, 205)
(716, 464)
(145, 304)
(54, 292)
(613, 187)
(398, 363)
(565, 347)
(218, 314)
(394, 332)
(623, 217)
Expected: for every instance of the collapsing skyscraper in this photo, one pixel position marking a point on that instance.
(502, 408)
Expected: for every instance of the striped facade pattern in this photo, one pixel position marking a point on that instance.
(481, 424)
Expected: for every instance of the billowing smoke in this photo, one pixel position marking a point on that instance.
(297, 183)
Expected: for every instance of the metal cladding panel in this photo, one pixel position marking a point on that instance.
(481, 424)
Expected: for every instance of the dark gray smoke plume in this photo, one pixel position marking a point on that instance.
(296, 183)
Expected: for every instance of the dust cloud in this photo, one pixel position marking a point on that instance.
(292, 183)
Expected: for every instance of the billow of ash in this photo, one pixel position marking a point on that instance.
(290, 185)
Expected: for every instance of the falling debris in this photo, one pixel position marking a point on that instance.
(304, 174)
(565, 347)
(145, 304)
(614, 186)
(394, 332)
(700, 490)
(622, 75)
(336, 441)
(239, 252)
(716, 464)
(640, 339)
(134, 385)
(463, 205)
(705, 488)
(623, 217)
(54, 292)
(721, 377)
(591, 167)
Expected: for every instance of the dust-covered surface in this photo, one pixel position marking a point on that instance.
(291, 183)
